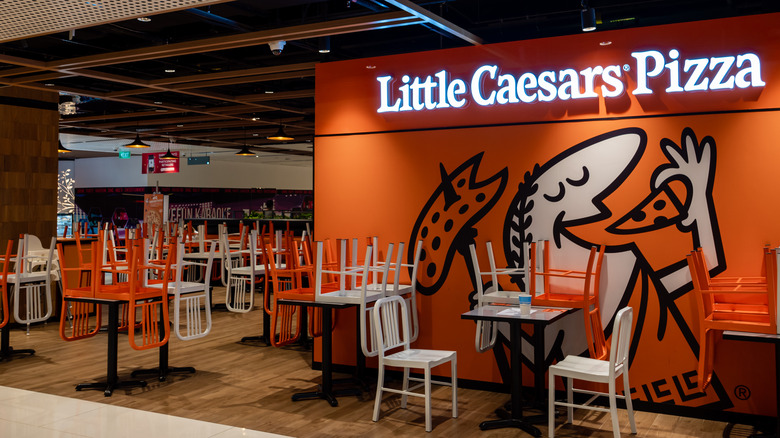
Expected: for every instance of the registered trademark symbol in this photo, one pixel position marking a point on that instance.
(742, 392)
(626, 67)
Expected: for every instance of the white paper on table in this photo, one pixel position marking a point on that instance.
(514, 311)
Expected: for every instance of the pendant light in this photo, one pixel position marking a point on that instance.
(245, 152)
(62, 149)
(137, 143)
(280, 135)
(168, 155)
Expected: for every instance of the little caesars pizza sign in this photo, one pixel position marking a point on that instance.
(488, 85)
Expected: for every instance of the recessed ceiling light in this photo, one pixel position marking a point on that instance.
(179, 126)
(158, 102)
(144, 19)
(254, 119)
(370, 67)
(605, 43)
(48, 84)
(255, 135)
(170, 70)
(269, 92)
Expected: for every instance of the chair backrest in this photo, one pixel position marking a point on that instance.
(567, 280)
(36, 297)
(344, 272)
(196, 304)
(391, 325)
(150, 303)
(370, 349)
(621, 340)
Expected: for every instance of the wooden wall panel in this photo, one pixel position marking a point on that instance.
(28, 163)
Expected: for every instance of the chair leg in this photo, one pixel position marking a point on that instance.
(428, 425)
(380, 383)
(613, 410)
(570, 399)
(405, 397)
(551, 405)
(454, 387)
(629, 405)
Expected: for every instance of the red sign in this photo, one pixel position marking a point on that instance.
(152, 163)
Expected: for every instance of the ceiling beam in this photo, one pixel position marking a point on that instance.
(436, 21)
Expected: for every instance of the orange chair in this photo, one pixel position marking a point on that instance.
(737, 303)
(287, 283)
(78, 320)
(6, 261)
(150, 302)
(579, 289)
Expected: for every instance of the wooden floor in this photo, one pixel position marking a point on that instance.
(247, 385)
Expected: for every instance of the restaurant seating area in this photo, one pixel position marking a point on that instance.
(233, 381)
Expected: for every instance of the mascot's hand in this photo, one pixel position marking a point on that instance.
(692, 163)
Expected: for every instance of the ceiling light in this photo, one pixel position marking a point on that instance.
(605, 43)
(170, 70)
(168, 155)
(62, 149)
(588, 17)
(158, 102)
(144, 19)
(269, 92)
(48, 84)
(245, 152)
(324, 44)
(280, 135)
(137, 143)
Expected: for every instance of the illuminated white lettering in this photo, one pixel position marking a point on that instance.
(476, 85)
(611, 77)
(547, 83)
(455, 89)
(571, 87)
(754, 70)
(674, 72)
(725, 63)
(641, 69)
(507, 93)
(589, 80)
(698, 66)
(384, 94)
(405, 94)
(526, 82)
(442, 77)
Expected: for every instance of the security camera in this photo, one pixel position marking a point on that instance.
(276, 47)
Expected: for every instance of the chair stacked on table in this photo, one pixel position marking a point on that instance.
(747, 304)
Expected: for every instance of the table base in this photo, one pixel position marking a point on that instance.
(108, 388)
(329, 396)
(6, 351)
(511, 422)
(162, 375)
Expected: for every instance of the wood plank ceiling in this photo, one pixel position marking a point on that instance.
(202, 73)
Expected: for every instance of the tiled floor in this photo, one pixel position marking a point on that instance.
(27, 414)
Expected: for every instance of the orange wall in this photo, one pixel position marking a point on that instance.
(376, 172)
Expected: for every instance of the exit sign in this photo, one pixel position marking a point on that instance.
(124, 154)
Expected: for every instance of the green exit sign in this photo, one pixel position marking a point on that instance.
(124, 154)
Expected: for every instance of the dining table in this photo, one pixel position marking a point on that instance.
(325, 391)
(763, 338)
(539, 318)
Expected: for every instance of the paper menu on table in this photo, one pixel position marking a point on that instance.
(515, 311)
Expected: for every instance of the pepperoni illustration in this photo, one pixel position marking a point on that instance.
(459, 202)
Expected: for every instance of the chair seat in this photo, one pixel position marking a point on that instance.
(247, 270)
(28, 277)
(579, 367)
(185, 287)
(419, 358)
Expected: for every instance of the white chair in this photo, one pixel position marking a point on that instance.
(487, 331)
(32, 288)
(392, 337)
(191, 297)
(240, 289)
(595, 370)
